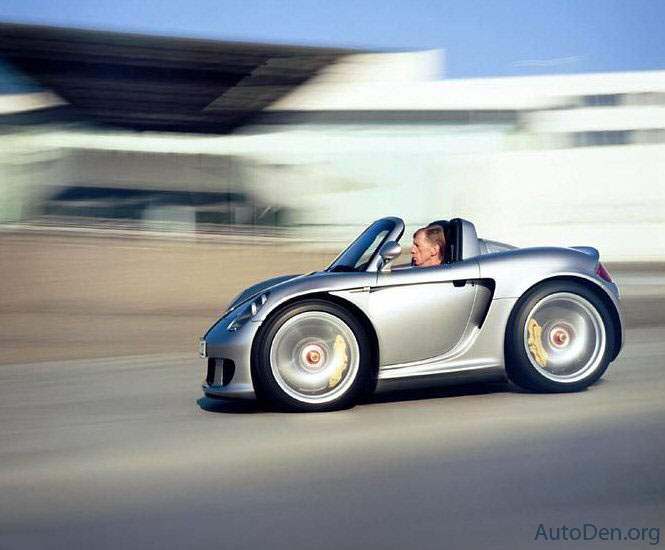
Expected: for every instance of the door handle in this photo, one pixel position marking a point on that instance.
(459, 282)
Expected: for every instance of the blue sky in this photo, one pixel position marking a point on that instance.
(481, 37)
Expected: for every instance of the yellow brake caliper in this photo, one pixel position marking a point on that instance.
(340, 359)
(535, 343)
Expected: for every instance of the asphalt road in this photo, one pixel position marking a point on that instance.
(124, 453)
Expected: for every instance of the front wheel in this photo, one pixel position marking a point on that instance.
(312, 356)
(559, 338)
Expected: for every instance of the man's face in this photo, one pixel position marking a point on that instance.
(423, 251)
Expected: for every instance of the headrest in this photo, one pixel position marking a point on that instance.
(448, 251)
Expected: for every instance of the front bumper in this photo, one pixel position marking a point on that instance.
(228, 353)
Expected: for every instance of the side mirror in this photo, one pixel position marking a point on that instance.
(389, 252)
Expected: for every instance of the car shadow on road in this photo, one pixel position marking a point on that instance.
(229, 406)
(441, 391)
(460, 390)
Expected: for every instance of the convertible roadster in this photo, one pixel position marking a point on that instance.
(548, 318)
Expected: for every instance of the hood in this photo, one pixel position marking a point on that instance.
(256, 289)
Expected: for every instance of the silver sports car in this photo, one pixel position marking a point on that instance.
(548, 318)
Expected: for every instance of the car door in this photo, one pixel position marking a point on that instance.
(422, 312)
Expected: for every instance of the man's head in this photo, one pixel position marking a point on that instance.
(428, 245)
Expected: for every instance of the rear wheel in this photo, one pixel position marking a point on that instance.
(312, 356)
(559, 338)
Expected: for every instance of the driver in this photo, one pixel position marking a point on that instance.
(428, 246)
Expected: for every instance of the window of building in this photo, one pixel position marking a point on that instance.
(601, 100)
(596, 139)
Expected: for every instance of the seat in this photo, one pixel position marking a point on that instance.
(451, 230)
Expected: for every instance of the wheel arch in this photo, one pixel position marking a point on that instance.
(592, 287)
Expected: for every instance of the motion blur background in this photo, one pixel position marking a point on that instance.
(145, 180)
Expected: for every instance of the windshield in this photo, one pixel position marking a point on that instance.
(361, 251)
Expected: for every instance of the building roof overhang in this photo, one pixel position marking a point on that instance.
(156, 83)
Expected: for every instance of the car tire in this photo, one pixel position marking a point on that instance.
(311, 356)
(559, 338)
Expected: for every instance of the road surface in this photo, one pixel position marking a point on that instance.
(125, 453)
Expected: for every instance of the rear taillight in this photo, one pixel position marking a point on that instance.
(603, 273)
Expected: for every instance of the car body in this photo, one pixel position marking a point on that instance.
(549, 318)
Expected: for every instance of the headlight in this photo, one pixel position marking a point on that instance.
(247, 312)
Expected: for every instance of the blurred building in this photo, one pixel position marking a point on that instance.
(102, 125)
(323, 139)
(532, 160)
